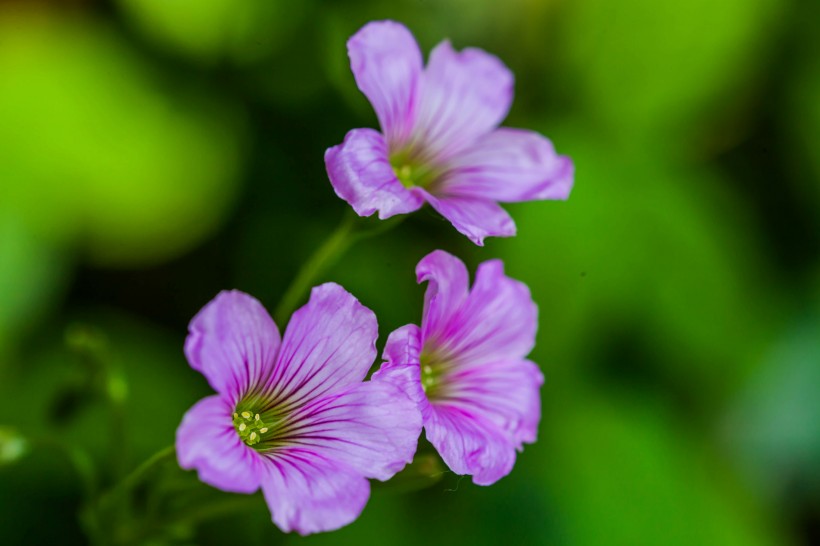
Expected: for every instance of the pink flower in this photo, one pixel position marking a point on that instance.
(294, 416)
(466, 366)
(440, 141)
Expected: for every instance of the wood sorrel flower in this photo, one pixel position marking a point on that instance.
(466, 368)
(293, 416)
(440, 140)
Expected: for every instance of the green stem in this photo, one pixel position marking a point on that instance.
(342, 238)
(333, 247)
(135, 477)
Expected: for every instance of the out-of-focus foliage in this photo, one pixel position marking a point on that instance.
(155, 152)
(218, 29)
(660, 253)
(31, 275)
(775, 427)
(641, 476)
(800, 110)
(96, 148)
(648, 72)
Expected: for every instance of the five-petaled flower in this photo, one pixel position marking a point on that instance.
(293, 415)
(466, 366)
(440, 140)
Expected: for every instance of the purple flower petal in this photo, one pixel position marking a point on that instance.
(447, 289)
(207, 441)
(304, 428)
(329, 343)
(464, 95)
(465, 366)
(233, 342)
(440, 136)
(361, 174)
(468, 446)
(496, 323)
(475, 218)
(509, 165)
(308, 494)
(387, 64)
(503, 393)
(371, 427)
(401, 367)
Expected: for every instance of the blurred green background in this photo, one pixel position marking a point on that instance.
(154, 152)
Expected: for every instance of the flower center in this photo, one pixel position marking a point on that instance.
(250, 427)
(405, 175)
(433, 370)
(412, 172)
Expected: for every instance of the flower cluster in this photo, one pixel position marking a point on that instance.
(293, 414)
